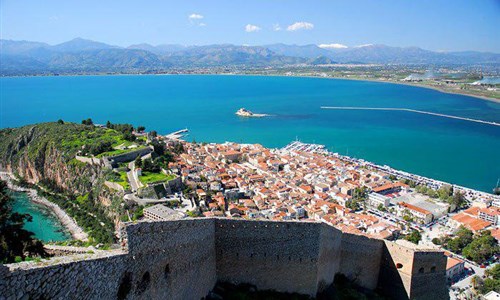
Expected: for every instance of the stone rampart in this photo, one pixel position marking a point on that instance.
(89, 160)
(410, 273)
(282, 256)
(114, 185)
(184, 259)
(130, 156)
(360, 259)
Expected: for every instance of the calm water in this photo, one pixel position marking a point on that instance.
(456, 151)
(45, 224)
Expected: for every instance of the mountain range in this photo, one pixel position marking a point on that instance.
(86, 56)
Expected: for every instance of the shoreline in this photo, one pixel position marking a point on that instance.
(495, 100)
(435, 88)
(69, 223)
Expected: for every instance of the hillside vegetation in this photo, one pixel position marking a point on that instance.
(42, 156)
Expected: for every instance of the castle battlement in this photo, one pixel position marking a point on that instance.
(183, 259)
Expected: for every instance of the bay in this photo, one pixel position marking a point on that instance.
(45, 225)
(455, 151)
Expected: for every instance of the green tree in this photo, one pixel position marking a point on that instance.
(88, 122)
(436, 241)
(141, 128)
(138, 162)
(445, 192)
(15, 241)
(481, 248)
(60, 121)
(352, 204)
(414, 237)
(458, 200)
(489, 285)
(494, 272)
(381, 207)
(476, 281)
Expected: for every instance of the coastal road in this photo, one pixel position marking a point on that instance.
(134, 181)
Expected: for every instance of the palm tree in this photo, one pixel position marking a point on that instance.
(475, 281)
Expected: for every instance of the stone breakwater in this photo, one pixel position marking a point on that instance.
(68, 222)
(183, 259)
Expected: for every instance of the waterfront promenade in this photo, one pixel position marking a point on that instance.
(433, 183)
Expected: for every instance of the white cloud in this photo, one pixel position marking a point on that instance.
(332, 46)
(300, 25)
(195, 17)
(252, 28)
(276, 27)
(202, 24)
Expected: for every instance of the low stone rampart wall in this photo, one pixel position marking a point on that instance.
(183, 259)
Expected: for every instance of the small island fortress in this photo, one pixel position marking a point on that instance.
(184, 259)
(243, 112)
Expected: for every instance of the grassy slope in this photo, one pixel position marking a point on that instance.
(68, 138)
(148, 177)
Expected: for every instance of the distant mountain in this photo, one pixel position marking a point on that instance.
(321, 60)
(9, 47)
(80, 44)
(382, 54)
(160, 49)
(230, 55)
(307, 51)
(86, 56)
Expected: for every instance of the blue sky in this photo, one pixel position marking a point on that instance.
(434, 25)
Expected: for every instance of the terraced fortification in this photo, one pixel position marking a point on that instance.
(184, 259)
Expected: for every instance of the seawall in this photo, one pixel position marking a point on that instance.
(184, 259)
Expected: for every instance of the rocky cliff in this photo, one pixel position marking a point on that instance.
(37, 154)
(44, 154)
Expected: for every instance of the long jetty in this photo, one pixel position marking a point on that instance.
(411, 110)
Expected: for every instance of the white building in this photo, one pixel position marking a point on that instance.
(490, 214)
(421, 215)
(160, 212)
(375, 200)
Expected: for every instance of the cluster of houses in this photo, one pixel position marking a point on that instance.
(250, 181)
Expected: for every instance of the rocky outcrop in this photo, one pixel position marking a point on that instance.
(45, 154)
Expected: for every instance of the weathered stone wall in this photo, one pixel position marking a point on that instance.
(183, 260)
(396, 269)
(408, 273)
(74, 277)
(89, 160)
(114, 186)
(360, 259)
(329, 255)
(428, 280)
(179, 256)
(130, 156)
(165, 260)
(282, 256)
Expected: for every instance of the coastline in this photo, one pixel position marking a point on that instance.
(480, 97)
(417, 85)
(68, 222)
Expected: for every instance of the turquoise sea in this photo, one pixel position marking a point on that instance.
(44, 224)
(452, 150)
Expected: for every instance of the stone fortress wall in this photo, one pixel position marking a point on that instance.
(184, 259)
